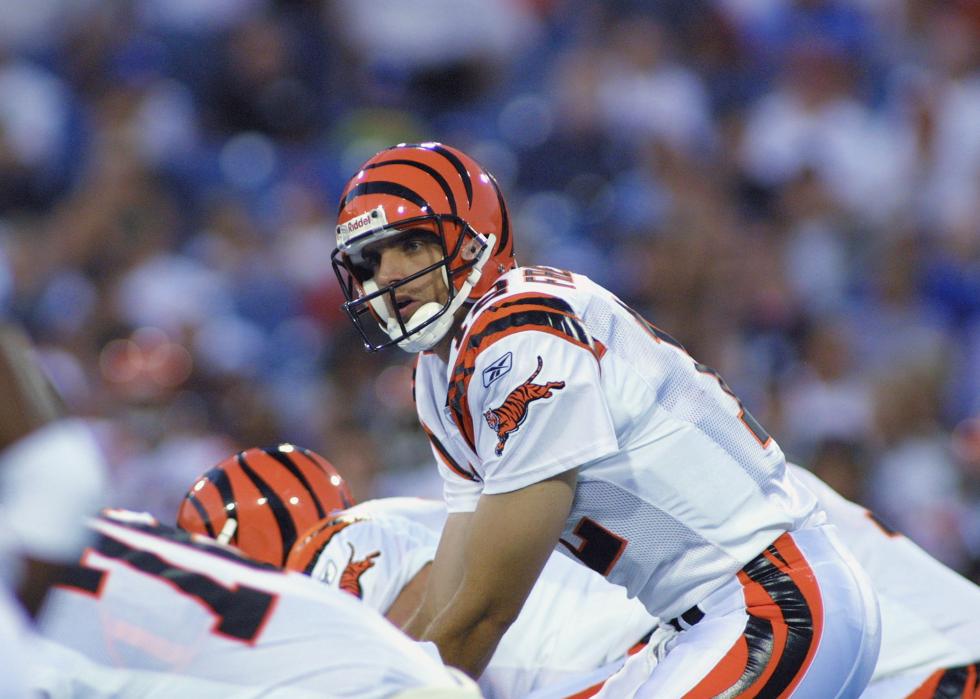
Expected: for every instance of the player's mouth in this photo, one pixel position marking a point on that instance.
(406, 306)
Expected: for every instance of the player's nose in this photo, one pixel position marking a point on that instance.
(391, 267)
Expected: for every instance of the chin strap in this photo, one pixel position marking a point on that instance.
(428, 336)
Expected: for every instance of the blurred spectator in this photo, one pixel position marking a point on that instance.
(915, 484)
(644, 93)
(828, 399)
(815, 120)
(34, 107)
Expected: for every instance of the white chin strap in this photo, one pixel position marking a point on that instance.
(427, 337)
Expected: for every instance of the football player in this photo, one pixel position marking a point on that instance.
(381, 550)
(561, 418)
(52, 476)
(162, 602)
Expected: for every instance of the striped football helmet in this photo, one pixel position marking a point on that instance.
(260, 500)
(441, 190)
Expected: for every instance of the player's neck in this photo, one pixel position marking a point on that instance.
(443, 347)
(454, 334)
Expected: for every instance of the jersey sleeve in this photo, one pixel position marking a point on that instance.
(373, 558)
(538, 409)
(50, 481)
(460, 496)
(462, 486)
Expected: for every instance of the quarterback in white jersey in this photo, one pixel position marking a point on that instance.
(155, 600)
(573, 623)
(560, 418)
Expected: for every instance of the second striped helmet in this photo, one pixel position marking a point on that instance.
(260, 500)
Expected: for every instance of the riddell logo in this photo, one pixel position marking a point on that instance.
(375, 219)
(358, 223)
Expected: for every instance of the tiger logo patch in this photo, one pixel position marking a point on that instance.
(350, 579)
(508, 418)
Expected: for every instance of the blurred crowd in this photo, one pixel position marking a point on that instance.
(791, 188)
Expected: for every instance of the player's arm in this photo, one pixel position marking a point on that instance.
(444, 574)
(51, 474)
(507, 543)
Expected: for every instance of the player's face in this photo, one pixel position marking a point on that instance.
(400, 257)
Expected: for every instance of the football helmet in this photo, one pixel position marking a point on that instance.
(442, 191)
(260, 500)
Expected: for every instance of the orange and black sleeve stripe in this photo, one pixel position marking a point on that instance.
(306, 552)
(520, 313)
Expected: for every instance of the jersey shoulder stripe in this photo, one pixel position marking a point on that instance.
(304, 555)
(530, 311)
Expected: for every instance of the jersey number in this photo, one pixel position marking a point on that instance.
(241, 611)
(600, 548)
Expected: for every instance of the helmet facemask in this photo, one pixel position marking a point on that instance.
(460, 268)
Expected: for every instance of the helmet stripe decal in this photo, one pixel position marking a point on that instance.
(287, 528)
(460, 168)
(391, 188)
(504, 217)
(291, 466)
(432, 172)
(341, 490)
(203, 513)
(219, 477)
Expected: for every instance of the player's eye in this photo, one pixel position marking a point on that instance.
(413, 244)
(371, 261)
(366, 267)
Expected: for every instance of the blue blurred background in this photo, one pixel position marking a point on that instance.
(789, 187)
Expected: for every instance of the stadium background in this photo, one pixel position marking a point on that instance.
(789, 187)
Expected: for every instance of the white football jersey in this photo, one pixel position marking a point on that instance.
(574, 621)
(930, 615)
(148, 598)
(374, 549)
(14, 628)
(678, 487)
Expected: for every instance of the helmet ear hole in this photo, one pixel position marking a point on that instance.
(470, 251)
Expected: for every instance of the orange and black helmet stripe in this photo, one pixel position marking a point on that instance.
(397, 189)
(531, 311)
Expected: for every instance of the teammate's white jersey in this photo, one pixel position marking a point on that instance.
(572, 623)
(148, 598)
(678, 486)
(13, 659)
(374, 549)
(930, 616)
